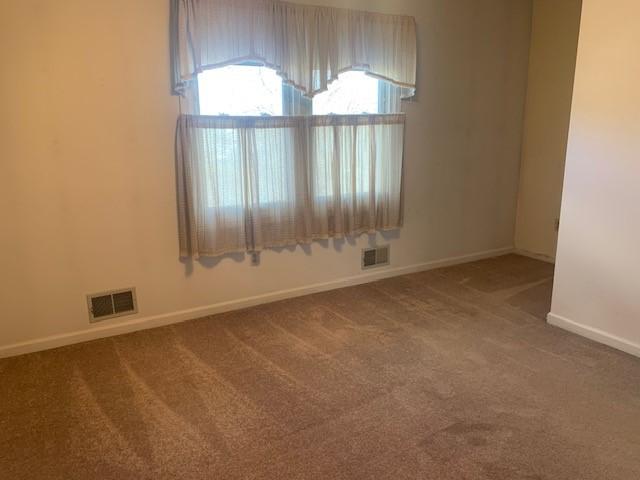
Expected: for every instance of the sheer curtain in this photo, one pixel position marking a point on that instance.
(248, 183)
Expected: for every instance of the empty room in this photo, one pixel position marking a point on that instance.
(320, 239)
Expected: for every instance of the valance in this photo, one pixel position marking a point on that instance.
(308, 45)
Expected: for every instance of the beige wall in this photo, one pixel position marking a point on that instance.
(88, 200)
(597, 284)
(554, 40)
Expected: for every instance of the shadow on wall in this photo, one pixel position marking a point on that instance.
(336, 243)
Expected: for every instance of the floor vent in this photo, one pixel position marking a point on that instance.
(375, 257)
(116, 303)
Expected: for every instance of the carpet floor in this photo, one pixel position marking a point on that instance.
(446, 374)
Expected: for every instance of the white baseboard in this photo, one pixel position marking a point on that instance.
(102, 331)
(594, 334)
(537, 256)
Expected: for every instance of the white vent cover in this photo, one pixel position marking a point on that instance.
(115, 303)
(375, 257)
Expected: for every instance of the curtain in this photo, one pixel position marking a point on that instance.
(308, 45)
(248, 183)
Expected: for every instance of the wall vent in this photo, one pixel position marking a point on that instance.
(115, 303)
(375, 257)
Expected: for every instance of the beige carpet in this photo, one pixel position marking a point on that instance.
(448, 374)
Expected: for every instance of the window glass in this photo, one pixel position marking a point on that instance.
(352, 93)
(256, 90)
(240, 90)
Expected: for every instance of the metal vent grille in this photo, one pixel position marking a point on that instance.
(105, 305)
(369, 258)
(102, 306)
(375, 257)
(382, 256)
(123, 302)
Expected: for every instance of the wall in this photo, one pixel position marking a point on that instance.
(598, 263)
(554, 40)
(88, 198)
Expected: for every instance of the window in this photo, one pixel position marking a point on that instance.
(254, 90)
(258, 91)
